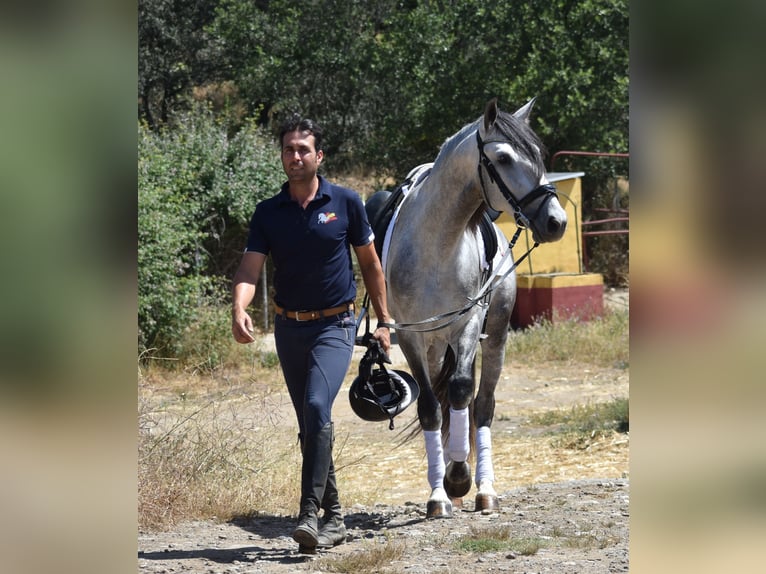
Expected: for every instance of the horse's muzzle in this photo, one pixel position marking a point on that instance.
(549, 221)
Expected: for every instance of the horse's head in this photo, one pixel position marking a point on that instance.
(512, 173)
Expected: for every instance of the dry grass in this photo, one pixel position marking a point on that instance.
(371, 558)
(579, 426)
(500, 539)
(581, 539)
(496, 539)
(600, 342)
(208, 449)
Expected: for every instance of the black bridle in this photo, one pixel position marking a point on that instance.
(546, 191)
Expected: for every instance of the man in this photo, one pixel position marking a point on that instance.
(308, 229)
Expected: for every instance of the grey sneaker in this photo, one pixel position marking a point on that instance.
(332, 532)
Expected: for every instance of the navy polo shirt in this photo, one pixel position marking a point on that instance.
(310, 248)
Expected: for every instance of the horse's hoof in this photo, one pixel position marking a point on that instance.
(439, 509)
(487, 503)
(457, 479)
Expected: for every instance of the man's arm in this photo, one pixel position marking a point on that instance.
(375, 283)
(243, 291)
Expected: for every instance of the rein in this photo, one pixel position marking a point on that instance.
(426, 325)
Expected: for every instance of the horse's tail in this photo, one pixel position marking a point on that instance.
(440, 387)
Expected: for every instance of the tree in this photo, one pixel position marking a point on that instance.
(577, 64)
(175, 53)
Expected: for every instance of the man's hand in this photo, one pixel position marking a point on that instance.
(242, 326)
(383, 335)
(243, 291)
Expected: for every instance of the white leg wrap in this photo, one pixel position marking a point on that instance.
(435, 456)
(484, 470)
(459, 446)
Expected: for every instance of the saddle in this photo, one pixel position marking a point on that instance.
(380, 209)
(382, 204)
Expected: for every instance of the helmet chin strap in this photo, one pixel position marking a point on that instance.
(374, 354)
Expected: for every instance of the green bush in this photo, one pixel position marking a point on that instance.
(197, 187)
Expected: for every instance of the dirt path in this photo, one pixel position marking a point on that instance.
(572, 504)
(582, 524)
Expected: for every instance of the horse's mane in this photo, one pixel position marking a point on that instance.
(453, 140)
(516, 131)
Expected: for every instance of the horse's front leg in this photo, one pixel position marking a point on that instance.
(429, 414)
(484, 407)
(493, 356)
(430, 417)
(457, 478)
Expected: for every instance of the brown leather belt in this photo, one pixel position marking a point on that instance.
(314, 315)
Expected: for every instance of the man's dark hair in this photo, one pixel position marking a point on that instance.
(297, 123)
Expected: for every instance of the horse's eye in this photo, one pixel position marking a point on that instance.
(504, 159)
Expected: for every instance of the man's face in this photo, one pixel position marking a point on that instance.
(300, 160)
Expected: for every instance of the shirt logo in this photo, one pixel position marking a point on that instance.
(327, 217)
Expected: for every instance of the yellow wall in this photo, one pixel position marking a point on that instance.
(556, 281)
(562, 256)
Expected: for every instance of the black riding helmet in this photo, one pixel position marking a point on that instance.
(379, 394)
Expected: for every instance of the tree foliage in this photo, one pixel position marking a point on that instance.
(197, 188)
(390, 80)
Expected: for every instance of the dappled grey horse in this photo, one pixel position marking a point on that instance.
(449, 292)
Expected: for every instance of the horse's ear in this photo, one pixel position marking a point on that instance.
(523, 112)
(490, 114)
